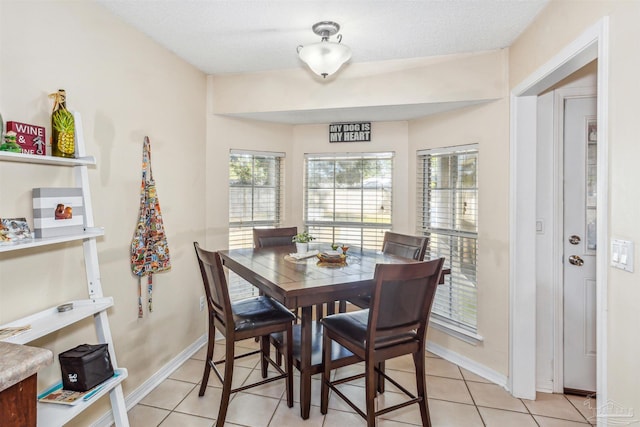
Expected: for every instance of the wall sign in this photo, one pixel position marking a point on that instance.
(350, 132)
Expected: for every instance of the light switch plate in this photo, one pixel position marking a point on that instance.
(622, 254)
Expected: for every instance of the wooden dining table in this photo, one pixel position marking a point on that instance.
(304, 283)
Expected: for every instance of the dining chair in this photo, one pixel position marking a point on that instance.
(248, 318)
(394, 325)
(404, 245)
(265, 237)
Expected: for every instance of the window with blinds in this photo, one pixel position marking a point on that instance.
(447, 205)
(348, 197)
(255, 198)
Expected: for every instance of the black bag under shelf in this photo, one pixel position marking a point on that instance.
(85, 366)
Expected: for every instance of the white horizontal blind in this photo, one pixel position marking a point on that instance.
(348, 197)
(255, 199)
(447, 205)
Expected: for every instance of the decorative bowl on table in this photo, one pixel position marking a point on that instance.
(333, 257)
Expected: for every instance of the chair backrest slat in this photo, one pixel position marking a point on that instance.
(215, 284)
(266, 237)
(402, 297)
(404, 245)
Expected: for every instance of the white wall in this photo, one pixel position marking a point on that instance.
(125, 86)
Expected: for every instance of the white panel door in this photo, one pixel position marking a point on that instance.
(580, 139)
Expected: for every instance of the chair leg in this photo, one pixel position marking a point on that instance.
(209, 361)
(326, 374)
(289, 365)
(319, 312)
(380, 378)
(226, 385)
(260, 293)
(342, 306)
(418, 360)
(331, 308)
(278, 357)
(371, 380)
(264, 355)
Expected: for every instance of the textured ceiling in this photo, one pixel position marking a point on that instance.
(237, 36)
(243, 36)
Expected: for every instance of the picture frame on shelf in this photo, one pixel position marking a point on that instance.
(57, 212)
(14, 229)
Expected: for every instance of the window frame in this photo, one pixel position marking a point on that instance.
(371, 233)
(456, 290)
(247, 241)
(239, 288)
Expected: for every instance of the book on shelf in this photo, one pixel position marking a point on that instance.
(12, 331)
(56, 394)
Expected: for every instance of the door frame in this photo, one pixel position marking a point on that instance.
(560, 96)
(590, 45)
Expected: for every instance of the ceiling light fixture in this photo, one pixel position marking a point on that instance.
(326, 57)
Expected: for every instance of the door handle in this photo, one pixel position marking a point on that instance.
(576, 260)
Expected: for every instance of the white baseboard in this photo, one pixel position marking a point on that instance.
(133, 398)
(468, 364)
(544, 386)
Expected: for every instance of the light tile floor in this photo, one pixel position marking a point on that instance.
(457, 398)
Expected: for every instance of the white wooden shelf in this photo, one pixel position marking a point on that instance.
(32, 243)
(54, 414)
(50, 320)
(6, 156)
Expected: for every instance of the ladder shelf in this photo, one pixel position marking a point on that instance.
(96, 305)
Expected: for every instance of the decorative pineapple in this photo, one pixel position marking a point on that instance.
(62, 127)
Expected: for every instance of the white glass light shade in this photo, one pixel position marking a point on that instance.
(326, 57)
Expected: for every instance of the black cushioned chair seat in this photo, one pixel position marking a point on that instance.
(256, 312)
(353, 327)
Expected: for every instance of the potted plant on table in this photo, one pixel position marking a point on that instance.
(302, 242)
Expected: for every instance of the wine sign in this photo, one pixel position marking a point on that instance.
(350, 132)
(30, 138)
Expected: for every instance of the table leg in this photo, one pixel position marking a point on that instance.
(305, 362)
